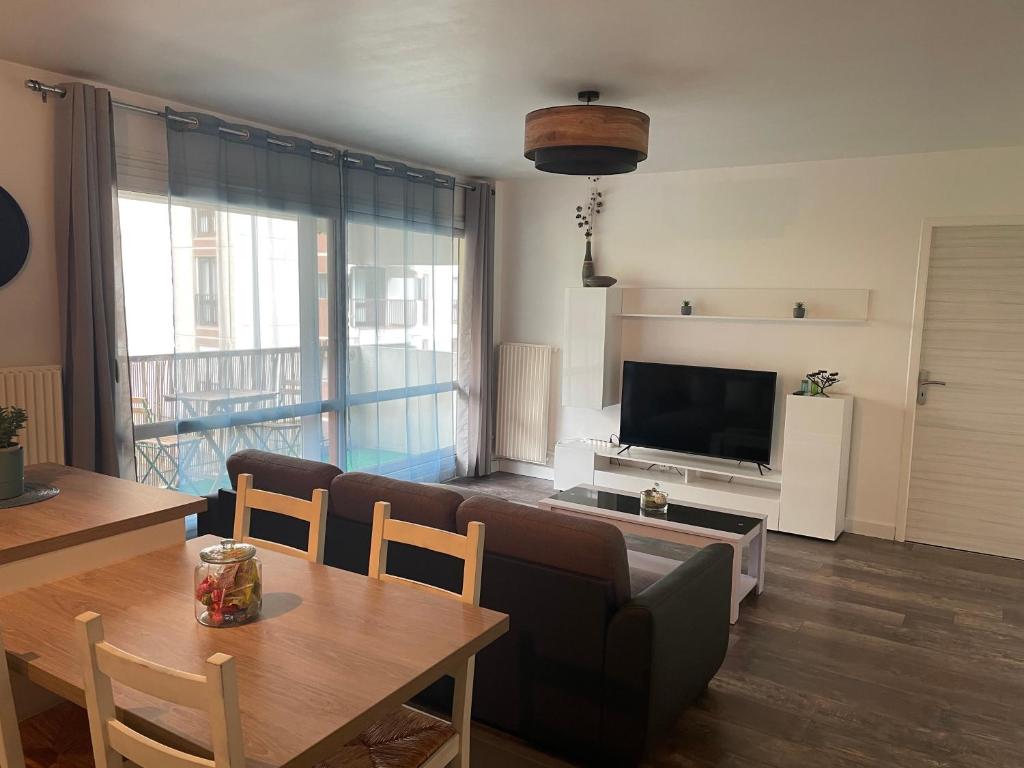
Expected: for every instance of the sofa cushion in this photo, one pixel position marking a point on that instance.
(552, 539)
(281, 474)
(353, 495)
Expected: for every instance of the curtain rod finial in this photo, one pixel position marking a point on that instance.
(44, 90)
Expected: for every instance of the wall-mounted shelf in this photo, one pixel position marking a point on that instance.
(741, 319)
(825, 306)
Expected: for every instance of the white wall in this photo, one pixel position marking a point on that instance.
(28, 304)
(835, 224)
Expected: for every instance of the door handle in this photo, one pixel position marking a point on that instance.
(922, 382)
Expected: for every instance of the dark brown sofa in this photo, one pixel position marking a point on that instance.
(592, 668)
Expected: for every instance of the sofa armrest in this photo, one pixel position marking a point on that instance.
(662, 649)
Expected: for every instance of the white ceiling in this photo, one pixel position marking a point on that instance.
(726, 82)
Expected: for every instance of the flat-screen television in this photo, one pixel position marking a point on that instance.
(720, 412)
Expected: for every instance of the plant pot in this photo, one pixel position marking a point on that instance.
(799, 311)
(686, 310)
(12, 472)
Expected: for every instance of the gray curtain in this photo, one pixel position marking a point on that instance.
(476, 335)
(97, 396)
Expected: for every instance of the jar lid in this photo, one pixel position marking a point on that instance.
(228, 551)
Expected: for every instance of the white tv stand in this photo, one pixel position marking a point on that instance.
(815, 458)
(688, 479)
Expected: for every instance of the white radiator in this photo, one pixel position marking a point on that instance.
(38, 390)
(524, 393)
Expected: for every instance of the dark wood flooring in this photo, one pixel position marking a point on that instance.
(859, 653)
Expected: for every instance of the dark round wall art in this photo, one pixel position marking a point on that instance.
(13, 237)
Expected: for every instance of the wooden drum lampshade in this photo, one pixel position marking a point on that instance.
(586, 140)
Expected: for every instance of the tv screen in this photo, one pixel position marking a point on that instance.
(719, 412)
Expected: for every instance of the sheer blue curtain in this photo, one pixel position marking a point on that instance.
(402, 261)
(234, 339)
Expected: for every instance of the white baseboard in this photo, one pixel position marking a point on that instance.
(541, 471)
(871, 528)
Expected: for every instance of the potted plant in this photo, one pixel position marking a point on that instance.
(12, 456)
(687, 308)
(799, 310)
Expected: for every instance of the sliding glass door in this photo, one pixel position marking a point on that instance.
(229, 334)
(402, 261)
(284, 297)
(402, 338)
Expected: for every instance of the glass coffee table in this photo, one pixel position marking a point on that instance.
(680, 524)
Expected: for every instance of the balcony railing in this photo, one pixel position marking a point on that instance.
(192, 410)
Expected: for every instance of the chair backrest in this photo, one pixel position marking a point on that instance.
(468, 548)
(11, 754)
(216, 692)
(313, 512)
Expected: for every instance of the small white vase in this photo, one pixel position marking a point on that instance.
(12, 472)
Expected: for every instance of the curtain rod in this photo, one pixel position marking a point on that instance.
(45, 90)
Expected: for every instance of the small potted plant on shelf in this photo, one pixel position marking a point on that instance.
(12, 455)
(799, 309)
(687, 308)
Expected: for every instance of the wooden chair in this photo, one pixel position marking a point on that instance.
(313, 512)
(56, 737)
(216, 692)
(410, 738)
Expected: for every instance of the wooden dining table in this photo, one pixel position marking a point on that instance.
(332, 652)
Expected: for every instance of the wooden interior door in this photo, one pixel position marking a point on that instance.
(967, 468)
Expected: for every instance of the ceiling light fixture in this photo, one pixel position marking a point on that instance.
(586, 140)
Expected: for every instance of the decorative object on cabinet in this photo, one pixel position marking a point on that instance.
(822, 380)
(12, 454)
(591, 357)
(799, 310)
(14, 237)
(586, 216)
(815, 465)
(586, 140)
(686, 308)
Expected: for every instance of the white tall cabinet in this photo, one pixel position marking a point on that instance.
(591, 352)
(815, 465)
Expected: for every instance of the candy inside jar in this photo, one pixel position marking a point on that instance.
(228, 584)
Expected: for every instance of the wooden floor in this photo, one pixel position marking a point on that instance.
(859, 653)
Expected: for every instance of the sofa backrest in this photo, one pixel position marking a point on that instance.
(589, 548)
(277, 474)
(353, 495)
(561, 579)
(350, 520)
(281, 474)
